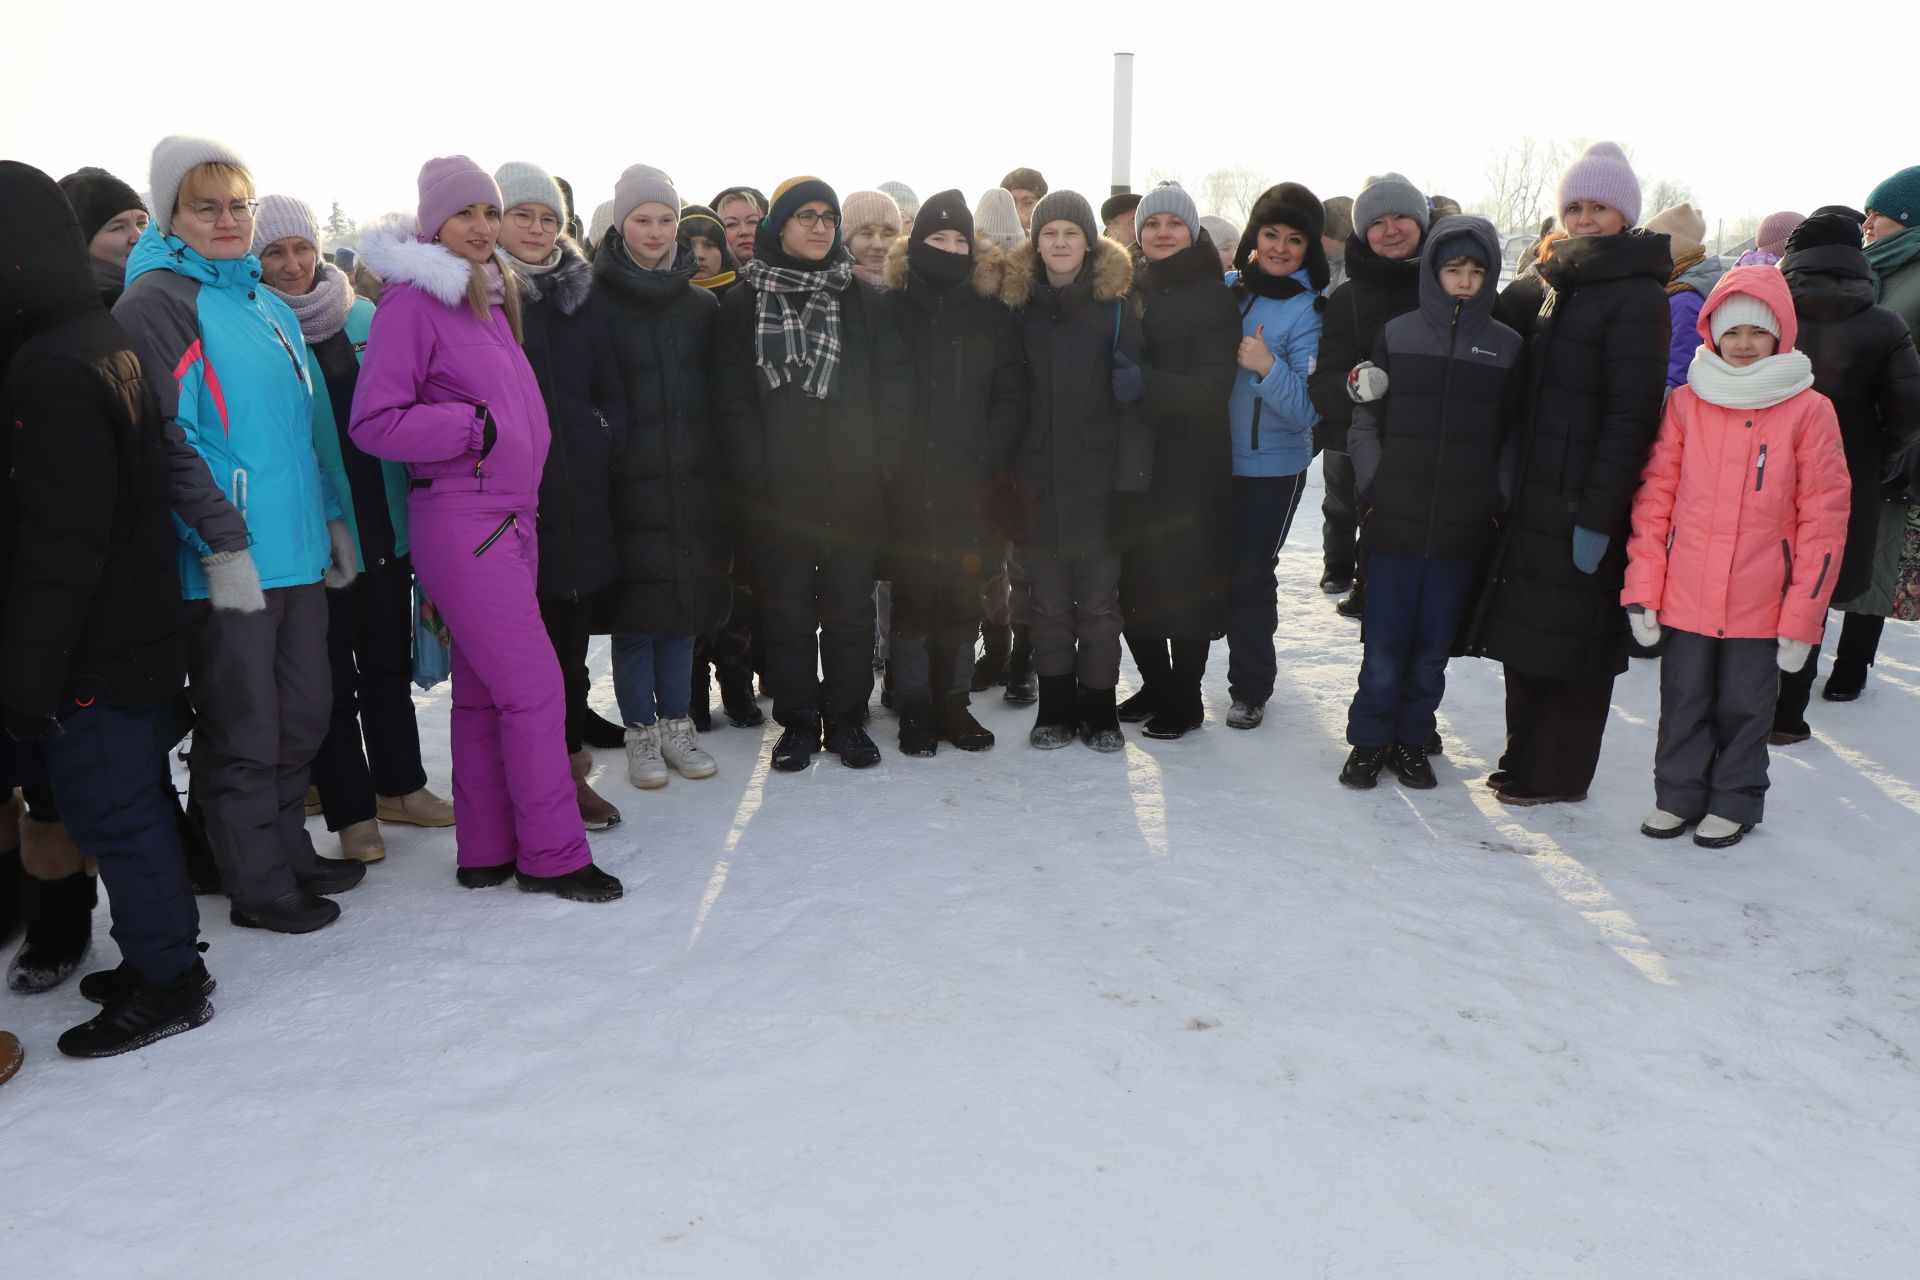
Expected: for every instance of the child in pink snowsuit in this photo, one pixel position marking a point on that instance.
(445, 389)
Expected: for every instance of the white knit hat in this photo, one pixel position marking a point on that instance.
(1739, 309)
(174, 157)
(523, 182)
(997, 220)
(283, 216)
(597, 225)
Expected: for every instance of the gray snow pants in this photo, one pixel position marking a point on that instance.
(1716, 710)
(263, 690)
(1076, 618)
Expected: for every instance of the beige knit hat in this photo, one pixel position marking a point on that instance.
(1682, 224)
(865, 208)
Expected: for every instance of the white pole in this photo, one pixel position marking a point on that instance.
(1122, 123)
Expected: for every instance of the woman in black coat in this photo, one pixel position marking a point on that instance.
(809, 382)
(1864, 361)
(1597, 374)
(946, 296)
(566, 341)
(1174, 564)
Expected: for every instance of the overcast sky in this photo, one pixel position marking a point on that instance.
(1757, 107)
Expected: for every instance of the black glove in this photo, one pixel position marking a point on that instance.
(489, 434)
(25, 728)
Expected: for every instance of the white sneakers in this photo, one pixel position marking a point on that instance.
(645, 769)
(680, 745)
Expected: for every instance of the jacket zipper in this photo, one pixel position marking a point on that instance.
(1786, 554)
(1760, 470)
(299, 370)
(1257, 404)
(495, 535)
(1446, 402)
(1826, 563)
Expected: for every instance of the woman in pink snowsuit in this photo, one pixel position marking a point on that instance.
(445, 389)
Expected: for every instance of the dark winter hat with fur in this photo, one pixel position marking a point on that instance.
(1113, 206)
(1845, 211)
(97, 198)
(1025, 180)
(1289, 205)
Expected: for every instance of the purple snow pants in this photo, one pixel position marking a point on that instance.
(513, 794)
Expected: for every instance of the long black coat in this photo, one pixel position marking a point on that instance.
(567, 343)
(1064, 468)
(674, 554)
(89, 575)
(804, 468)
(1596, 376)
(1864, 361)
(1177, 536)
(970, 408)
(1375, 291)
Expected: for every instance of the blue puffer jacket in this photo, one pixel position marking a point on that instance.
(1272, 417)
(240, 392)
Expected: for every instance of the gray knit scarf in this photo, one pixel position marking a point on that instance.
(321, 310)
(796, 337)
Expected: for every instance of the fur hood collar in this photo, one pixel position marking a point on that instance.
(993, 275)
(393, 250)
(1111, 277)
(567, 283)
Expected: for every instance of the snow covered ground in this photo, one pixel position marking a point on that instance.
(1194, 1012)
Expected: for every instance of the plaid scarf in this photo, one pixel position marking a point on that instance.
(792, 339)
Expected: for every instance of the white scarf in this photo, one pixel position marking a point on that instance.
(1760, 385)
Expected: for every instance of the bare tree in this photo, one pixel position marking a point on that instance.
(1231, 192)
(1664, 193)
(1520, 178)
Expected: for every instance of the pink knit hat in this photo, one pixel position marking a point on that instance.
(1774, 230)
(1602, 173)
(449, 184)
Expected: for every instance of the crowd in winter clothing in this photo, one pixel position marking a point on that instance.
(791, 441)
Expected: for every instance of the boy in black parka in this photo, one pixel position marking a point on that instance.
(1433, 462)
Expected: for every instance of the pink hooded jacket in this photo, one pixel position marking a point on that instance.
(1741, 514)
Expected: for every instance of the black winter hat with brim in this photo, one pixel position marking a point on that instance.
(1114, 206)
(1290, 205)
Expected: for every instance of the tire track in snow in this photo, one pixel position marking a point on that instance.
(743, 813)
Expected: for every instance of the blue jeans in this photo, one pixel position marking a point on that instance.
(109, 776)
(652, 677)
(1414, 608)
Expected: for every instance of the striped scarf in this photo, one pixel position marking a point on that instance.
(794, 337)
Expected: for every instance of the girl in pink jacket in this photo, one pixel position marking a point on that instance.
(1737, 532)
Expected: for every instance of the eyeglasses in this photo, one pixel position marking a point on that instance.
(809, 217)
(210, 210)
(527, 220)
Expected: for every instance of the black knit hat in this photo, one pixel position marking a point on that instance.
(943, 211)
(1292, 205)
(1113, 206)
(97, 198)
(1824, 229)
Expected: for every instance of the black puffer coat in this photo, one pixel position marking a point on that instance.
(89, 579)
(1864, 361)
(803, 467)
(1596, 376)
(567, 344)
(970, 407)
(673, 552)
(1375, 291)
(1065, 466)
(1176, 538)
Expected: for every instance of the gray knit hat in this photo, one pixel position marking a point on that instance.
(1168, 197)
(523, 182)
(174, 157)
(598, 224)
(1388, 193)
(1062, 206)
(996, 219)
(642, 184)
(283, 216)
(903, 196)
(1223, 233)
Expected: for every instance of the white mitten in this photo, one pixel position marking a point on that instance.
(346, 556)
(1367, 381)
(1645, 625)
(233, 581)
(1793, 654)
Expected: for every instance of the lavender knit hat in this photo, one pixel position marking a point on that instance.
(281, 217)
(449, 184)
(1602, 173)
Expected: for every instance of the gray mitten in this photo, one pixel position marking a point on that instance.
(233, 581)
(346, 556)
(1366, 382)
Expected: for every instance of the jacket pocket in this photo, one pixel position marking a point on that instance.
(495, 536)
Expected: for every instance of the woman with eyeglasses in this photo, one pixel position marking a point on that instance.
(262, 529)
(567, 344)
(810, 385)
(446, 389)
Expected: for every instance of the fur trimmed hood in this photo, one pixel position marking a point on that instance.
(1112, 275)
(567, 284)
(993, 275)
(393, 250)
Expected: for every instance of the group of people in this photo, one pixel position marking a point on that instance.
(720, 433)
